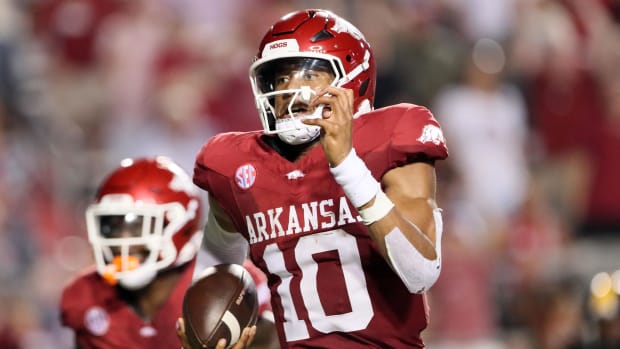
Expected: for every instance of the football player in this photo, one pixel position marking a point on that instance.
(144, 228)
(334, 200)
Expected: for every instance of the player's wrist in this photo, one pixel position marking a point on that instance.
(380, 208)
(355, 179)
(336, 160)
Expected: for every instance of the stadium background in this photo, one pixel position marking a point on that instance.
(528, 93)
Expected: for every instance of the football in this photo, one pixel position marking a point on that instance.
(219, 304)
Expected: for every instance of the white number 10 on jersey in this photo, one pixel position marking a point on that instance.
(355, 282)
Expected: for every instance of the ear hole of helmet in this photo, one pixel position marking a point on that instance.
(364, 87)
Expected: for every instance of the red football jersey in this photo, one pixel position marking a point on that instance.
(329, 285)
(101, 319)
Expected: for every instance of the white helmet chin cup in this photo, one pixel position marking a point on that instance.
(293, 131)
(300, 135)
(139, 278)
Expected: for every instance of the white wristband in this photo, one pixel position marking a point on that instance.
(379, 209)
(355, 179)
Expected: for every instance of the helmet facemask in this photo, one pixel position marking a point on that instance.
(306, 37)
(284, 104)
(132, 241)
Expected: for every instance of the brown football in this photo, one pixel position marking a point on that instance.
(219, 304)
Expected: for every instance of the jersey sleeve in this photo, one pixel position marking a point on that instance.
(207, 172)
(75, 298)
(214, 169)
(214, 163)
(201, 165)
(69, 310)
(417, 136)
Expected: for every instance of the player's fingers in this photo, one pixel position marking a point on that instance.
(181, 333)
(344, 96)
(247, 335)
(316, 122)
(251, 334)
(221, 344)
(329, 101)
(180, 327)
(338, 102)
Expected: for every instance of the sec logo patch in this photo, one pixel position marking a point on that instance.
(245, 176)
(97, 321)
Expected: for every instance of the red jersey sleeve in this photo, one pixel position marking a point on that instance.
(75, 299)
(216, 165)
(396, 136)
(418, 133)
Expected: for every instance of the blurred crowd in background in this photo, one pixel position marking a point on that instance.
(527, 91)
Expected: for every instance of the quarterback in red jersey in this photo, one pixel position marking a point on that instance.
(144, 227)
(335, 200)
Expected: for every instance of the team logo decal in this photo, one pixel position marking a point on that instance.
(97, 321)
(245, 176)
(148, 331)
(280, 46)
(295, 174)
(431, 133)
(343, 26)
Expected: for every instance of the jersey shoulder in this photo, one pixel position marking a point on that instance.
(404, 111)
(224, 145)
(86, 290)
(407, 128)
(218, 152)
(224, 154)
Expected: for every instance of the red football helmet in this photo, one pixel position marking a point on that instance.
(305, 40)
(146, 218)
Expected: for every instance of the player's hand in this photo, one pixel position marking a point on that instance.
(247, 335)
(337, 122)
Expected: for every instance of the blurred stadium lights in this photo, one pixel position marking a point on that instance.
(615, 281)
(604, 292)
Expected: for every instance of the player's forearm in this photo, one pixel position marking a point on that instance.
(221, 240)
(407, 230)
(411, 212)
(228, 247)
(414, 218)
(410, 242)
